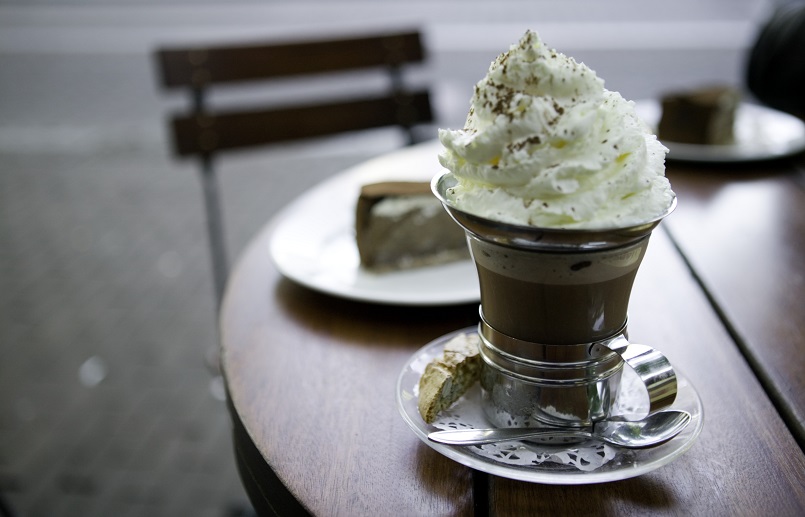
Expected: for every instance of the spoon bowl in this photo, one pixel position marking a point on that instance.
(655, 429)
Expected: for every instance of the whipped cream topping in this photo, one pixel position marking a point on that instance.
(546, 145)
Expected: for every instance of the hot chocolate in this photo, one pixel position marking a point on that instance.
(543, 311)
(556, 298)
(558, 185)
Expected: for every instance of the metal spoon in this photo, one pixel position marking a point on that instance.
(653, 430)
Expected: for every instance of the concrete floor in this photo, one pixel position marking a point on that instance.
(106, 310)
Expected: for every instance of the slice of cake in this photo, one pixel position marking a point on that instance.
(705, 116)
(400, 225)
(449, 376)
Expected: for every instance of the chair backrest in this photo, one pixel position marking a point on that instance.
(201, 131)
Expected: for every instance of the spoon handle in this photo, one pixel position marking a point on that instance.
(503, 434)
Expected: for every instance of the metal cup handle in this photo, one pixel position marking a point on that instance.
(653, 368)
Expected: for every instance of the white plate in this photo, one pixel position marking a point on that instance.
(313, 240)
(585, 463)
(760, 134)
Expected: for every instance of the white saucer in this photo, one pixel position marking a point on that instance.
(578, 464)
(760, 134)
(313, 240)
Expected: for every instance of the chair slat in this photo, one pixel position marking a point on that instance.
(200, 66)
(202, 131)
(206, 134)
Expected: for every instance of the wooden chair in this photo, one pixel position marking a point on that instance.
(203, 133)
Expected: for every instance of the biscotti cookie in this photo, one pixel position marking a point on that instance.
(449, 376)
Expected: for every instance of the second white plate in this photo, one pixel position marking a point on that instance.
(760, 134)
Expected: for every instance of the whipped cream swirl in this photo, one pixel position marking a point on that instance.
(546, 145)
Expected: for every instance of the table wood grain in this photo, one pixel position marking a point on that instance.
(312, 380)
(742, 228)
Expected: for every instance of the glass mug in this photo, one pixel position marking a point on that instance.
(554, 306)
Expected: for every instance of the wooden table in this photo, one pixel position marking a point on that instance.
(311, 378)
(742, 231)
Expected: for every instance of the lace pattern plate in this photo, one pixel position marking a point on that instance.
(560, 464)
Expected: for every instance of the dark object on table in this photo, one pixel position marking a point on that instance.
(205, 131)
(776, 66)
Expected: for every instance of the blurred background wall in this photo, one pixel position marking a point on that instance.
(49, 50)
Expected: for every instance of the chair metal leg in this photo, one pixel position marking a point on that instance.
(215, 229)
